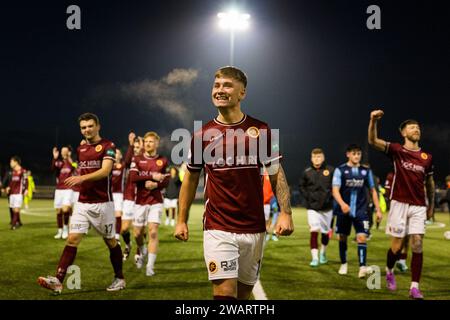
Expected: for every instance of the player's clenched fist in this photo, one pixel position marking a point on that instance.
(181, 232)
(376, 114)
(285, 224)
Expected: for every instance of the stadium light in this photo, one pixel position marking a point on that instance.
(233, 21)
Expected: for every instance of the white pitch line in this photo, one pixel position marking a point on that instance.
(34, 212)
(258, 291)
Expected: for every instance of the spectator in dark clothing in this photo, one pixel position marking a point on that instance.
(171, 196)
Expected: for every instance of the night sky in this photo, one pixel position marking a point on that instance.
(315, 71)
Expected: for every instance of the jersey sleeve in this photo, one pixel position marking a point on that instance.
(110, 152)
(337, 177)
(270, 144)
(392, 148)
(195, 161)
(370, 180)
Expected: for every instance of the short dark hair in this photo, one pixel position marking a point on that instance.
(317, 151)
(406, 122)
(88, 116)
(353, 147)
(232, 72)
(16, 159)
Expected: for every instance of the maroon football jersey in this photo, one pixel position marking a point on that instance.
(388, 182)
(118, 177)
(76, 188)
(130, 189)
(64, 170)
(19, 182)
(141, 169)
(233, 184)
(90, 157)
(410, 170)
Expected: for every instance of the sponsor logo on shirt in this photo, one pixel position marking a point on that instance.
(98, 148)
(238, 161)
(83, 150)
(356, 183)
(412, 167)
(66, 170)
(90, 164)
(212, 266)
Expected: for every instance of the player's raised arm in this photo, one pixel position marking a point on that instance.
(187, 195)
(103, 172)
(374, 141)
(285, 225)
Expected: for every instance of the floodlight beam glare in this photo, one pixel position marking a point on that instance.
(233, 20)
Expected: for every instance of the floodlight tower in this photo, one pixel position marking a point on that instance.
(233, 21)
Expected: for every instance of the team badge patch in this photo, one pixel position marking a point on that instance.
(326, 173)
(98, 148)
(424, 156)
(253, 132)
(212, 266)
(119, 166)
(159, 163)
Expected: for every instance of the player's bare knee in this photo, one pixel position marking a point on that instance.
(73, 240)
(111, 243)
(416, 244)
(361, 238)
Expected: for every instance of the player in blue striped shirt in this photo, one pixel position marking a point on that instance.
(350, 181)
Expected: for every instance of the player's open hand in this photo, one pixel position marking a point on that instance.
(376, 114)
(285, 224)
(131, 137)
(73, 181)
(150, 185)
(55, 153)
(181, 231)
(158, 176)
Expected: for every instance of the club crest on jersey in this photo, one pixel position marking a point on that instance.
(363, 172)
(253, 132)
(212, 266)
(326, 173)
(424, 156)
(119, 166)
(159, 163)
(98, 148)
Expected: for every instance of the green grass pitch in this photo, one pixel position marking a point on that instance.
(31, 251)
